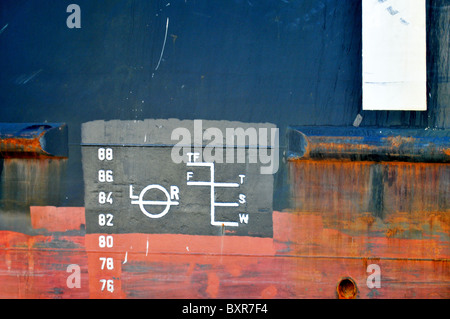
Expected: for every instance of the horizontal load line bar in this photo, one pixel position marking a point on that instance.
(33, 140)
(226, 204)
(214, 184)
(231, 224)
(174, 145)
(154, 202)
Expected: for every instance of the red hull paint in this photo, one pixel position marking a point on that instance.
(49, 218)
(305, 259)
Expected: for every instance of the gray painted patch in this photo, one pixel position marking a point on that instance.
(150, 193)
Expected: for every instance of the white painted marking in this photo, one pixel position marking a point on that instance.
(212, 184)
(141, 202)
(243, 218)
(226, 204)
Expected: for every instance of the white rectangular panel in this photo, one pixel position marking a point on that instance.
(394, 55)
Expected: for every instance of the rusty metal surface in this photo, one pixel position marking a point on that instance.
(344, 216)
(26, 182)
(33, 140)
(369, 144)
(306, 259)
(396, 200)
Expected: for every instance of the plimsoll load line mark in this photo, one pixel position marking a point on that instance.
(212, 184)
